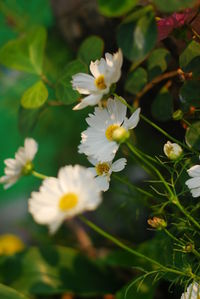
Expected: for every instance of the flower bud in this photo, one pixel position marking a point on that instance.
(120, 135)
(178, 114)
(189, 247)
(157, 223)
(172, 150)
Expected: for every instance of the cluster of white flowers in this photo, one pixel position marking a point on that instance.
(108, 125)
(78, 189)
(193, 291)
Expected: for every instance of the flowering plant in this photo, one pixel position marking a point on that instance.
(110, 150)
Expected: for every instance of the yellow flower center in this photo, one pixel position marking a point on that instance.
(109, 131)
(68, 201)
(27, 169)
(102, 168)
(10, 244)
(100, 82)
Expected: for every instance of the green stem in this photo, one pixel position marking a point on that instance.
(131, 186)
(163, 131)
(38, 175)
(134, 151)
(173, 237)
(153, 124)
(128, 249)
(182, 209)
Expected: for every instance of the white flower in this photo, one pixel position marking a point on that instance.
(194, 183)
(105, 72)
(97, 141)
(193, 291)
(21, 165)
(172, 150)
(73, 192)
(103, 171)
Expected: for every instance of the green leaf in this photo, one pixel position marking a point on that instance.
(64, 91)
(192, 137)
(91, 49)
(136, 80)
(116, 8)
(190, 58)
(162, 106)
(157, 62)
(173, 5)
(8, 293)
(190, 93)
(137, 35)
(35, 96)
(25, 53)
(55, 270)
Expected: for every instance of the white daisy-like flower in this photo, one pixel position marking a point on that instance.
(103, 171)
(194, 183)
(97, 141)
(73, 192)
(193, 291)
(104, 72)
(172, 150)
(21, 164)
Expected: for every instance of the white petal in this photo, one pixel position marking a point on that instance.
(132, 122)
(31, 148)
(193, 183)
(117, 110)
(119, 165)
(194, 171)
(90, 100)
(92, 170)
(99, 67)
(195, 192)
(83, 83)
(103, 182)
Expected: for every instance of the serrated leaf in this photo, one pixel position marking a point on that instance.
(55, 270)
(162, 106)
(157, 62)
(91, 49)
(64, 91)
(192, 137)
(35, 96)
(25, 53)
(190, 93)
(9, 293)
(190, 58)
(136, 80)
(173, 5)
(116, 8)
(137, 35)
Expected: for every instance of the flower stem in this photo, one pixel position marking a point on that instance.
(132, 109)
(182, 209)
(38, 175)
(131, 186)
(129, 249)
(134, 151)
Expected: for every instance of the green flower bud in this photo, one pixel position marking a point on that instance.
(120, 135)
(178, 114)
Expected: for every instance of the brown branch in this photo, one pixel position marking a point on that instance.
(155, 81)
